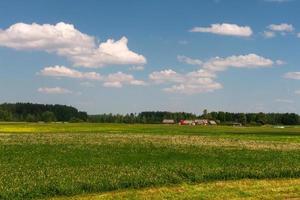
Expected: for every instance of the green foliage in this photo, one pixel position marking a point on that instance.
(30, 118)
(75, 120)
(143, 117)
(5, 115)
(33, 112)
(48, 116)
(223, 117)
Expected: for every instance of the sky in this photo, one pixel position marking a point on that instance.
(130, 56)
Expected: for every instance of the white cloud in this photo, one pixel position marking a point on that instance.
(269, 34)
(62, 71)
(281, 27)
(115, 84)
(65, 40)
(204, 79)
(298, 35)
(225, 29)
(188, 60)
(190, 83)
(280, 62)
(201, 85)
(167, 75)
(119, 79)
(54, 90)
(111, 80)
(241, 61)
(292, 75)
(137, 68)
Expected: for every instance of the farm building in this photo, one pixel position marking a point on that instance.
(201, 122)
(187, 122)
(212, 122)
(168, 121)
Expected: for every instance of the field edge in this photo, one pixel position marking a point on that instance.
(237, 189)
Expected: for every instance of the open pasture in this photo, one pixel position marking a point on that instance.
(62, 160)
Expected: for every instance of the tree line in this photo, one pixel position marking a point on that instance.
(143, 117)
(40, 112)
(220, 117)
(49, 113)
(254, 118)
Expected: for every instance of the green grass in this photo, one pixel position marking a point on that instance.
(48, 160)
(262, 133)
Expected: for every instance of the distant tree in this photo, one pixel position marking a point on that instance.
(30, 118)
(75, 120)
(261, 118)
(221, 116)
(241, 118)
(48, 116)
(5, 115)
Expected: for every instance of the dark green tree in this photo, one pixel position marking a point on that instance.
(48, 116)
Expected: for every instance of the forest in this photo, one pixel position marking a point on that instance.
(30, 112)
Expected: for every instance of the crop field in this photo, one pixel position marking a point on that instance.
(121, 161)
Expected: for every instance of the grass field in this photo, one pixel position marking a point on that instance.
(241, 189)
(62, 160)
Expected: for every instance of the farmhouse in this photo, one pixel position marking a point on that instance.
(168, 121)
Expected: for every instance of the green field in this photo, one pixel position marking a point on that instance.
(65, 160)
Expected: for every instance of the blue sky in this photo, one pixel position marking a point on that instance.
(175, 55)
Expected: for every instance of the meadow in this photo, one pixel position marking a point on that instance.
(135, 161)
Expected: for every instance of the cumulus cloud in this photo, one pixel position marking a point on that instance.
(204, 79)
(167, 75)
(111, 80)
(280, 62)
(292, 75)
(190, 83)
(281, 27)
(54, 90)
(225, 29)
(119, 79)
(241, 61)
(269, 34)
(62, 71)
(65, 40)
(188, 60)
